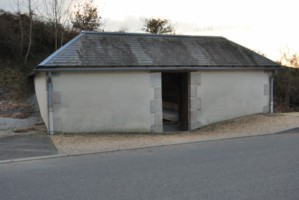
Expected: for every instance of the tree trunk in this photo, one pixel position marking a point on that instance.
(30, 30)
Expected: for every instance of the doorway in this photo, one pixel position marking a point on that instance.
(175, 92)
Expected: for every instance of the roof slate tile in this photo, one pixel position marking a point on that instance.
(94, 49)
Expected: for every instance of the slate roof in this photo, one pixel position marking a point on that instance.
(132, 50)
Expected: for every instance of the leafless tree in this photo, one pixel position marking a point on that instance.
(19, 14)
(25, 13)
(58, 13)
(291, 60)
(30, 14)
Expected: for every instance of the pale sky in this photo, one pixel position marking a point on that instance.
(261, 25)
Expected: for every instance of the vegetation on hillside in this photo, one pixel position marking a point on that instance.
(21, 49)
(286, 86)
(26, 38)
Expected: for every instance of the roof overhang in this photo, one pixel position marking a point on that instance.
(153, 68)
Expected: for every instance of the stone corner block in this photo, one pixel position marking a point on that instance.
(155, 79)
(158, 119)
(193, 115)
(195, 103)
(156, 129)
(193, 90)
(156, 106)
(195, 78)
(158, 93)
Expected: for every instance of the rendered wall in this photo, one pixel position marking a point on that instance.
(106, 102)
(224, 95)
(40, 85)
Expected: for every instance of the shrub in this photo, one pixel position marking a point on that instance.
(286, 90)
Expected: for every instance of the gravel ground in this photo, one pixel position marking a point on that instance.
(12, 123)
(82, 143)
(245, 126)
(8, 126)
(16, 115)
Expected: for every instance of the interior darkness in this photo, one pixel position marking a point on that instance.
(175, 101)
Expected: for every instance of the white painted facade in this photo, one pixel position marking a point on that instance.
(40, 84)
(226, 95)
(132, 101)
(102, 102)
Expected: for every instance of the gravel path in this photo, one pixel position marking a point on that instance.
(245, 126)
(11, 123)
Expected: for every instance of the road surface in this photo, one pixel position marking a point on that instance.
(263, 167)
(13, 147)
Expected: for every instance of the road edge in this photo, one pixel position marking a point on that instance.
(9, 161)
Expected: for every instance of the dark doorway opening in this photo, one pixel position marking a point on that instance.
(175, 101)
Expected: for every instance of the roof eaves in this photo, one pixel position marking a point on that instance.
(156, 68)
(53, 55)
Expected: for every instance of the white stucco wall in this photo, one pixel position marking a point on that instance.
(103, 101)
(131, 101)
(40, 85)
(230, 94)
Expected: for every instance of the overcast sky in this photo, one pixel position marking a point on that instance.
(262, 25)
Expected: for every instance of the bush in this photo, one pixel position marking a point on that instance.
(286, 90)
(13, 84)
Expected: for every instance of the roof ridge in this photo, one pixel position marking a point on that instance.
(150, 34)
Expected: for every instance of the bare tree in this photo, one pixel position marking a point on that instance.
(30, 14)
(23, 10)
(24, 13)
(86, 17)
(157, 26)
(291, 60)
(57, 12)
(19, 14)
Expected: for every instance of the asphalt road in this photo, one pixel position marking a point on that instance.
(264, 167)
(14, 147)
